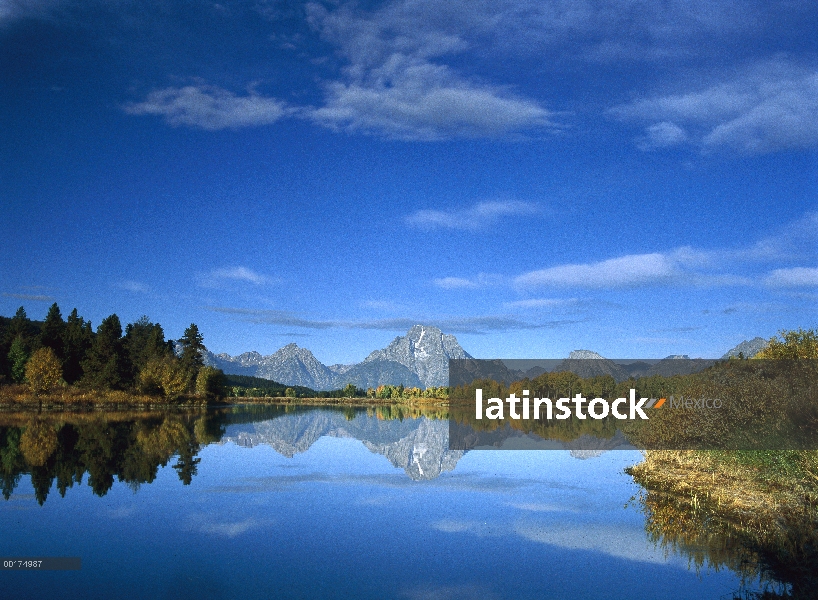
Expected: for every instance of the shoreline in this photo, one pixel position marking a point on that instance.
(772, 507)
(19, 399)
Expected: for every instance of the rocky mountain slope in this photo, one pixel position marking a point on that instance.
(418, 359)
(747, 348)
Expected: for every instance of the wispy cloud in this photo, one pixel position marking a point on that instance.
(384, 305)
(690, 266)
(217, 277)
(11, 10)
(662, 135)
(482, 280)
(456, 283)
(228, 529)
(618, 540)
(474, 325)
(209, 107)
(625, 271)
(479, 216)
(136, 287)
(770, 106)
(541, 303)
(31, 297)
(793, 277)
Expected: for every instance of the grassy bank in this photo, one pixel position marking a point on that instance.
(771, 493)
(766, 501)
(19, 397)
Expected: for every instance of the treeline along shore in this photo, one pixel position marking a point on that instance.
(65, 363)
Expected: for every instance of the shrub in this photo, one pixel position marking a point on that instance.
(210, 382)
(43, 370)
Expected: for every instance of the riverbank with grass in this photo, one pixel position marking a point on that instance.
(766, 501)
(769, 491)
(19, 397)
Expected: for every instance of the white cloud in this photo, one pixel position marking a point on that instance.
(479, 216)
(601, 30)
(11, 10)
(209, 107)
(133, 286)
(541, 303)
(618, 540)
(691, 267)
(392, 87)
(783, 117)
(793, 277)
(228, 529)
(471, 325)
(384, 305)
(662, 135)
(625, 271)
(31, 297)
(217, 276)
(770, 106)
(456, 283)
(482, 280)
(427, 102)
(679, 266)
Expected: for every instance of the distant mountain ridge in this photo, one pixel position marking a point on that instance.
(421, 359)
(747, 348)
(418, 359)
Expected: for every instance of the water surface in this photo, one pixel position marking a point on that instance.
(320, 503)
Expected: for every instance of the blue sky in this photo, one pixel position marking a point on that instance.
(637, 178)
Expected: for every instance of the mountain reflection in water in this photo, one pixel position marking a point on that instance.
(419, 446)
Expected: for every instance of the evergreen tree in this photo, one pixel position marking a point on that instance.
(104, 366)
(77, 338)
(18, 357)
(193, 350)
(20, 325)
(143, 341)
(52, 334)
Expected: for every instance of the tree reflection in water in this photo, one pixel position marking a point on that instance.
(128, 448)
(785, 560)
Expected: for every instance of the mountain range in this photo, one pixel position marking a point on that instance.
(418, 359)
(421, 359)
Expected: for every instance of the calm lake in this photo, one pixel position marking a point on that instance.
(263, 502)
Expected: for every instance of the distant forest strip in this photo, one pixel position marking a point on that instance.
(65, 361)
(245, 386)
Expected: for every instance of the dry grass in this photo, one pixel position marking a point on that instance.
(19, 397)
(772, 494)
